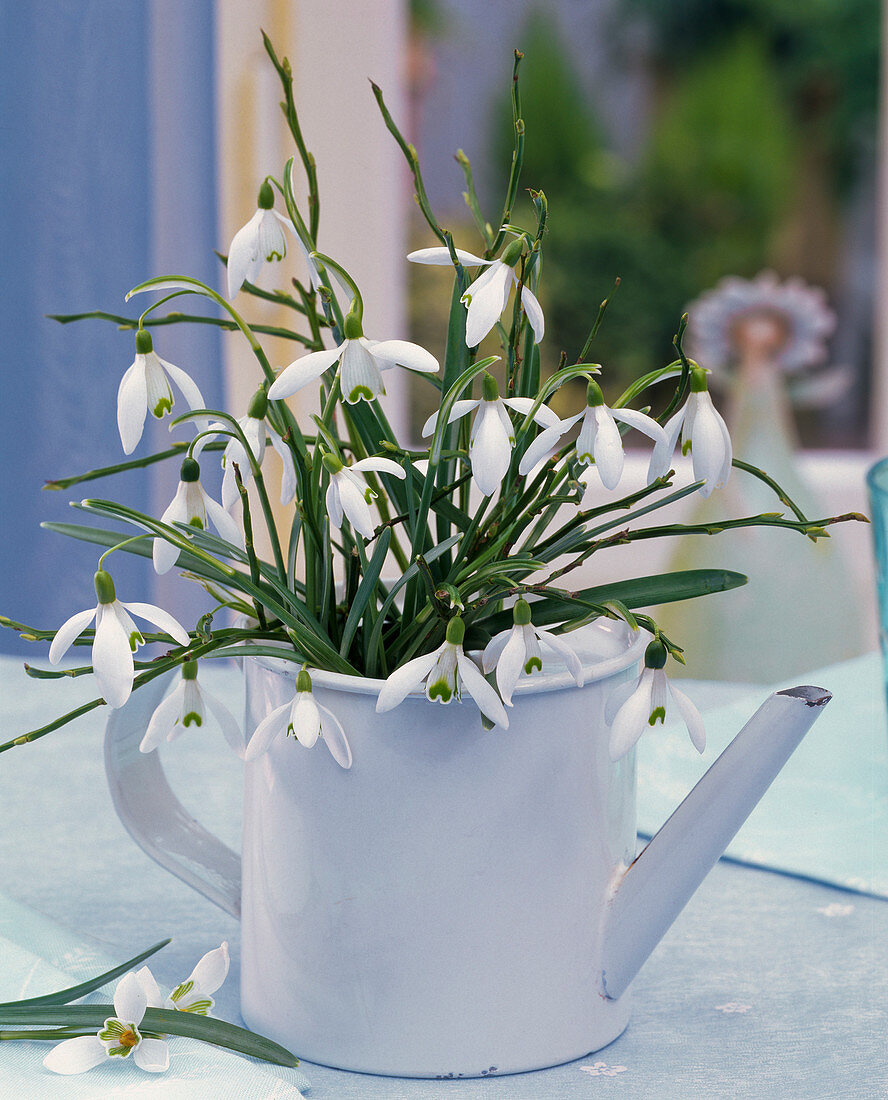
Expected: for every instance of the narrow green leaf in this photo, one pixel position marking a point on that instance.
(365, 590)
(74, 992)
(639, 592)
(162, 1020)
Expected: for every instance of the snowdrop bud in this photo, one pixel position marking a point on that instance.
(144, 343)
(258, 406)
(655, 655)
(332, 463)
(456, 631)
(594, 396)
(521, 613)
(489, 388)
(189, 471)
(105, 587)
(303, 681)
(512, 252)
(352, 329)
(266, 196)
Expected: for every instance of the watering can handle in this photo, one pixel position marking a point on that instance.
(154, 817)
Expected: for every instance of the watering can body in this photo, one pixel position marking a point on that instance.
(461, 902)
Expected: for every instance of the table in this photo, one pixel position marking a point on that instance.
(767, 984)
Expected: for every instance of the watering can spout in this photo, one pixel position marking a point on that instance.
(655, 888)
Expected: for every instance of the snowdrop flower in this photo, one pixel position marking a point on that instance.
(349, 495)
(361, 363)
(638, 705)
(256, 432)
(260, 241)
(486, 298)
(117, 638)
(193, 505)
(186, 706)
(146, 385)
(492, 436)
(195, 993)
(703, 433)
(306, 720)
(445, 672)
(599, 441)
(518, 650)
(119, 1038)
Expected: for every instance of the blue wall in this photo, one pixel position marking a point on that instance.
(106, 178)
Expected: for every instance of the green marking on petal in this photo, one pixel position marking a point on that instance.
(274, 255)
(164, 405)
(112, 1028)
(201, 1007)
(360, 393)
(197, 522)
(440, 690)
(135, 640)
(192, 718)
(658, 714)
(534, 664)
(181, 990)
(686, 447)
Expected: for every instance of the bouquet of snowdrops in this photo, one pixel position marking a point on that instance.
(441, 567)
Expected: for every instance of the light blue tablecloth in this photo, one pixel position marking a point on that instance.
(767, 985)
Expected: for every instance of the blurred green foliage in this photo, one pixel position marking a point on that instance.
(715, 182)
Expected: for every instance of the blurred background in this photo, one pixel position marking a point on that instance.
(679, 143)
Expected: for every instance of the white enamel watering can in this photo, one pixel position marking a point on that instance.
(460, 902)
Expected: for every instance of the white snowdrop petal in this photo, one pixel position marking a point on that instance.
(380, 465)
(243, 254)
(439, 256)
(334, 738)
(69, 630)
(305, 718)
(661, 456)
(302, 371)
(573, 662)
(404, 354)
(490, 450)
(225, 524)
(618, 697)
(152, 1055)
(691, 718)
(112, 657)
(186, 385)
(76, 1055)
(132, 405)
(161, 619)
(460, 408)
(164, 719)
(357, 510)
(632, 719)
(486, 298)
(510, 665)
(211, 970)
(489, 703)
(534, 312)
(334, 504)
(404, 679)
(130, 1000)
(271, 726)
(608, 451)
(641, 423)
(494, 648)
(149, 984)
